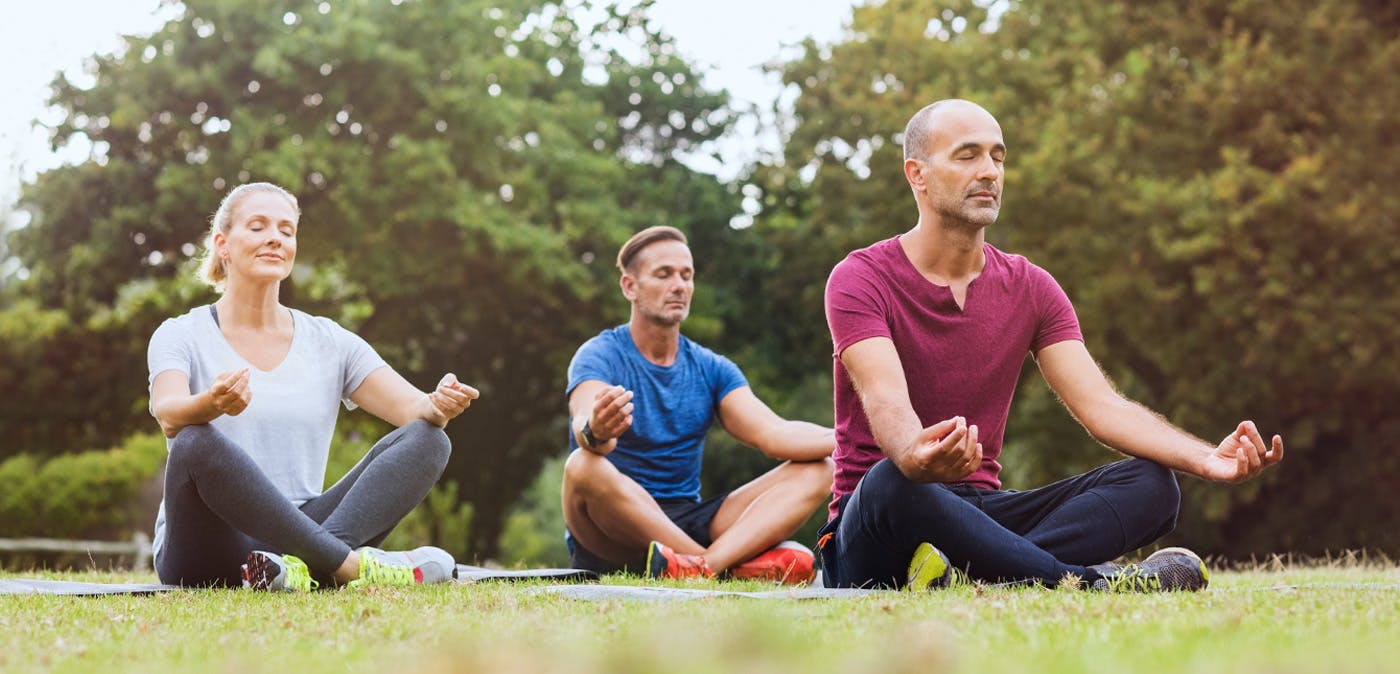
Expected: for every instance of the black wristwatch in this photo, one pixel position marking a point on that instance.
(588, 436)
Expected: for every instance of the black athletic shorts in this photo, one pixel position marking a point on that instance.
(693, 517)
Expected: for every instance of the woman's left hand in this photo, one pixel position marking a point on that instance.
(449, 399)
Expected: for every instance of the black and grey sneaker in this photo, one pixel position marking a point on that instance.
(1166, 570)
(929, 569)
(276, 573)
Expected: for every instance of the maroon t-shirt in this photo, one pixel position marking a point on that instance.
(956, 361)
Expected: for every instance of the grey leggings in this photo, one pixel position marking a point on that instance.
(219, 505)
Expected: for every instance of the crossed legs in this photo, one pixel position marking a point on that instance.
(1039, 535)
(219, 505)
(613, 517)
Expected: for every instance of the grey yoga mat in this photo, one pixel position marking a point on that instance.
(653, 594)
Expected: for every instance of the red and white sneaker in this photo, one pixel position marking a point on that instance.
(789, 562)
(663, 562)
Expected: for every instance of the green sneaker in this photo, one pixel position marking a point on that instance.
(1166, 570)
(928, 569)
(421, 566)
(277, 573)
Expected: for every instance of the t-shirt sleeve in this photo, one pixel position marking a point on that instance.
(592, 361)
(855, 310)
(357, 360)
(1057, 321)
(725, 376)
(169, 349)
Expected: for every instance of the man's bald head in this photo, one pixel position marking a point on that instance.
(922, 126)
(954, 158)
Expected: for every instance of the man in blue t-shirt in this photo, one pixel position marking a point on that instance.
(641, 398)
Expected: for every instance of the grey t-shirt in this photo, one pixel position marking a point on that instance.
(288, 424)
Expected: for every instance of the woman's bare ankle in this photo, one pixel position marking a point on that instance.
(349, 569)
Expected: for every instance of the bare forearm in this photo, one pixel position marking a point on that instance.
(176, 412)
(422, 409)
(799, 441)
(896, 429)
(1137, 431)
(945, 451)
(387, 395)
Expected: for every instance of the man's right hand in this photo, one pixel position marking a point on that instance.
(947, 451)
(230, 393)
(612, 415)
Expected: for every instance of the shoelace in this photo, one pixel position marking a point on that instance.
(298, 575)
(374, 572)
(1134, 577)
(696, 566)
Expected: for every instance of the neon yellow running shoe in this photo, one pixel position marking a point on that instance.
(277, 573)
(421, 566)
(929, 569)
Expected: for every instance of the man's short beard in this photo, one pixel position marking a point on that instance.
(969, 219)
(665, 318)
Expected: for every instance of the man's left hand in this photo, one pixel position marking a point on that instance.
(1242, 455)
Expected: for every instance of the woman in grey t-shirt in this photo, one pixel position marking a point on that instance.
(247, 392)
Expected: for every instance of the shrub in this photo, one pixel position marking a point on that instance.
(96, 494)
(534, 531)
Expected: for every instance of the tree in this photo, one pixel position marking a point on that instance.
(1200, 176)
(465, 171)
(9, 265)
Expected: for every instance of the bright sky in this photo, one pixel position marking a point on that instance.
(728, 39)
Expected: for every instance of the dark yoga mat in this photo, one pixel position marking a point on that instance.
(465, 574)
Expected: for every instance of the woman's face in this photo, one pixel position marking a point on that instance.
(261, 242)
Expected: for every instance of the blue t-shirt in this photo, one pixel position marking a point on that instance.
(672, 407)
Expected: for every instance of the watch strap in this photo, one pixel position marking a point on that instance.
(588, 436)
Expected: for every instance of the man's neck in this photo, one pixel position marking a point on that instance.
(944, 254)
(251, 307)
(657, 343)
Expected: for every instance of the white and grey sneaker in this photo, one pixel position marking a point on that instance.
(420, 566)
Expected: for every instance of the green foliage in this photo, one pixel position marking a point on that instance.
(465, 171)
(105, 494)
(73, 382)
(442, 519)
(1199, 175)
(9, 265)
(534, 531)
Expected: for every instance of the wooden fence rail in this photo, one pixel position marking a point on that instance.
(139, 547)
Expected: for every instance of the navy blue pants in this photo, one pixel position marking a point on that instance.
(1037, 535)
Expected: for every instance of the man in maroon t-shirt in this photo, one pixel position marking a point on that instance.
(930, 329)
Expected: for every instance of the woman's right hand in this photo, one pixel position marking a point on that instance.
(230, 393)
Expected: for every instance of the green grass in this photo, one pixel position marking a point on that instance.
(1340, 619)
